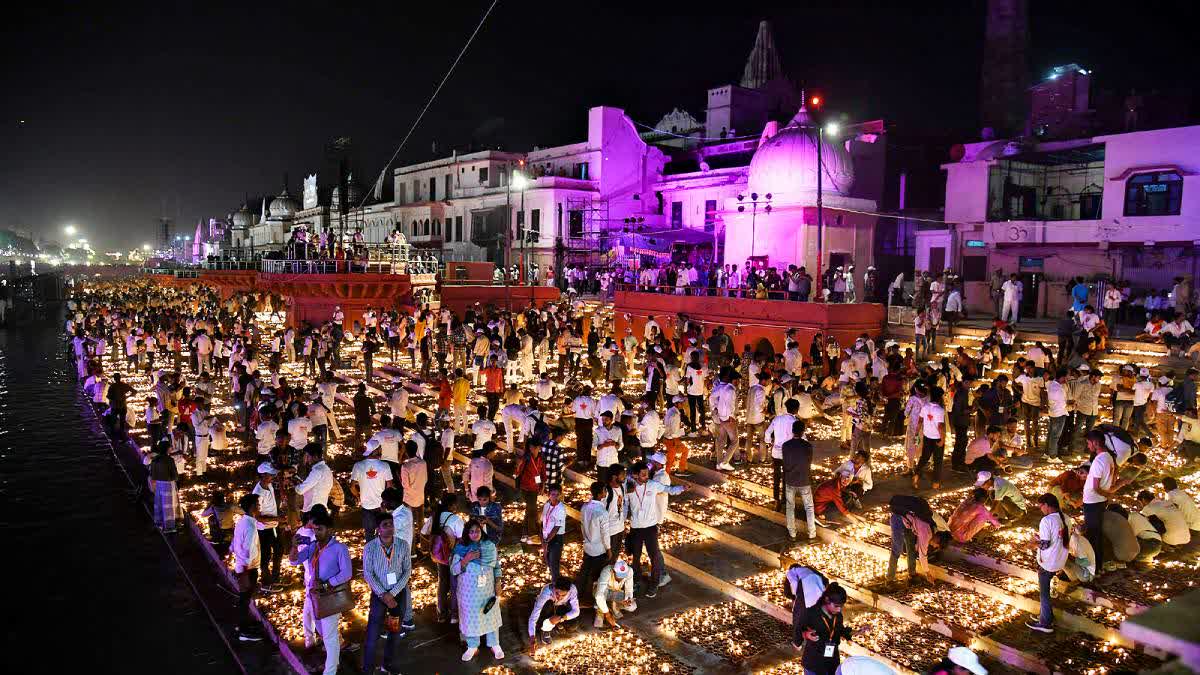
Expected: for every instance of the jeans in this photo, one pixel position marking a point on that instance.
(246, 600)
(271, 549)
(370, 521)
(1093, 523)
(931, 448)
(726, 440)
(1031, 414)
(554, 549)
(810, 518)
(1045, 581)
(777, 479)
(1053, 432)
(493, 640)
(903, 541)
(698, 417)
(1137, 422)
(375, 622)
(589, 572)
(1123, 414)
(647, 537)
(1083, 424)
(446, 607)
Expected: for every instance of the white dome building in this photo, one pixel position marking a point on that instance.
(785, 164)
(775, 219)
(284, 206)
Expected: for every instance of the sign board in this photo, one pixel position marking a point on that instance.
(1037, 263)
(976, 243)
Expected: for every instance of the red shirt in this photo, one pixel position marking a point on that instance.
(828, 493)
(445, 394)
(493, 380)
(1070, 482)
(531, 473)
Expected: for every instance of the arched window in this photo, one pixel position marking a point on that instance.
(414, 228)
(437, 227)
(425, 229)
(1158, 193)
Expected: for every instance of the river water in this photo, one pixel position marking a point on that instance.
(89, 586)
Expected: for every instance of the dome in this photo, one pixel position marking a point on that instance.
(284, 206)
(243, 218)
(786, 163)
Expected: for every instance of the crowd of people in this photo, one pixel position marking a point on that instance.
(754, 407)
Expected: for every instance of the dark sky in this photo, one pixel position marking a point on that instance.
(112, 110)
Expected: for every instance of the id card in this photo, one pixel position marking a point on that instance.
(1000, 409)
(829, 649)
(537, 480)
(391, 579)
(481, 581)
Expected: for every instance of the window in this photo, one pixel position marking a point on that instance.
(710, 214)
(581, 170)
(676, 215)
(432, 189)
(414, 228)
(446, 190)
(437, 227)
(1154, 194)
(535, 225)
(425, 227)
(1089, 206)
(975, 268)
(449, 228)
(416, 190)
(458, 232)
(575, 224)
(483, 175)
(402, 197)
(520, 225)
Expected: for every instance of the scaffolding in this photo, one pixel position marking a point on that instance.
(587, 233)
(1061, 185)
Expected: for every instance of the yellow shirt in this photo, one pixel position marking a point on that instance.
(461, 391)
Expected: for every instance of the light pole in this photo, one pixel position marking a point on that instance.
(754, 202)
(519, 182)
(832, 129)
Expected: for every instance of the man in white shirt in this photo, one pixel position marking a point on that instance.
(724, 404)
(1177, 533)
(593, 519)
(778, 432)
(247, 557)
(398, 399)
(1011, 293)
(1142, 389)
(608, 442)
(756, 418)
(651, 327)
(388, 439)
(1031, 385)
(298, 428)
(1057, 402)
(1184, 502)
(268, 534)
(368, 479)
(1100, 485)
(649, 428)
(316, 486)
(483, 429)
(583, 408)
(554, 529)
(933, 444)
(641, 507)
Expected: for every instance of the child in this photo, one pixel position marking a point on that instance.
(220, 517)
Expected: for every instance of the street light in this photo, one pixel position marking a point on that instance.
(70, 230)
(754, 202)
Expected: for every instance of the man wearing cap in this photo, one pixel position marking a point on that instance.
(672, 437)
(368, 479)
(1164, 418)
(268, 533)
(613, 593)
(724, 404)
(1142, 389)
(583, 409)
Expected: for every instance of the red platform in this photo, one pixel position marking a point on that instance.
(459, 297)
(748, 321)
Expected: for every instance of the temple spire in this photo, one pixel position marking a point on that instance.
(763, 64)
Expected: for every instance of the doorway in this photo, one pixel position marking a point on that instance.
(937, 259)
(1031, 287)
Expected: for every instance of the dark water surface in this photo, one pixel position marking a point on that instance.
(89, 586)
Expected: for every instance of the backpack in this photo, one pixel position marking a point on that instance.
(440, 550)
(1114, 431)
(1175, 399)
(435, 454)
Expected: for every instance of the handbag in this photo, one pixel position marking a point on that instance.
(328, 600)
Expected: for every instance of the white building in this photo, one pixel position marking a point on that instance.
(1120, 205)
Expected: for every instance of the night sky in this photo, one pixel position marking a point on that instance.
(117, 113)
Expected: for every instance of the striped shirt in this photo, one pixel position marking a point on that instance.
(379, 561)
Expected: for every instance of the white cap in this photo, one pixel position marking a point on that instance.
(864, 665)
(1164, 380)
(266, 467)
(658, 458)
(372, 446)
(1083, 368)
(621, 569)
(1144, 372)
(965, 658)
(982, 477)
